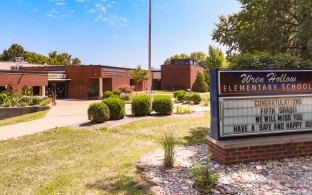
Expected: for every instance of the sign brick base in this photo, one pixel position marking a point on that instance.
(261, 148)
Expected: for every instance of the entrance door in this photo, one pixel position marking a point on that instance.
(58, 88)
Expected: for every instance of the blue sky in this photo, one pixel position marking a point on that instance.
(111, 32)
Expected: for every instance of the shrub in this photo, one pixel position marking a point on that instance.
(205, 178)
(9, 90)
(125, 88)
(116, 108)
(117, 92)
(25, 100)
(177, 92)
(141, 105)
(168, 142)
(200, 84)
(107, 94)
(26, 90)
(125, 96)
(180, 96)
(187, 97)
(3, 96)
(162, 105)
(195, 98)
(35, 101)
(45, 102)
(98, 112)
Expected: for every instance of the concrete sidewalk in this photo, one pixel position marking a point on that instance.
(66, 112)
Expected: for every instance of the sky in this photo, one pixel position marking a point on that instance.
(112, 32)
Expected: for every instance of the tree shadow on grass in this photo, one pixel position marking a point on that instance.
(198, 136)
(116, 185)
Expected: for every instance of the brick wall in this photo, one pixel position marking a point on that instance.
(18, 79)
(260, 153)
(178, 76)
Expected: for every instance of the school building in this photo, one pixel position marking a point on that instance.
(90, 81)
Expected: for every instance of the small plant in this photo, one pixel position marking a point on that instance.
(116, 108)
(183, 110)
(141, 105)
(175, 93)
(9, 91)
(205, 102)
(25, 100)
(3, 96)
(107, 94)
(205, 178)
(180, 97)
(195, 98)
(26, 90)
(168, 142)
(187, 97)
(117, 92)
(162, 105)
(45, 102)
(125, 96)
(125, 88)
(98, 112)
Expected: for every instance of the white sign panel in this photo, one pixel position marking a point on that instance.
(240, 116)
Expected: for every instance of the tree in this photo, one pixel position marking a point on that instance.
(34, 58)
(215, 58)
(200, 84)
(176, 57)
(271, 25)
(76, 61)
(14, 51)
(139, 74)
(199, 57)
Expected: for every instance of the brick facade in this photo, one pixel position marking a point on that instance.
(17, 79)
(180, 75)
(291, 147)
(83, 77)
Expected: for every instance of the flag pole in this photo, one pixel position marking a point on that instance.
(150, 48)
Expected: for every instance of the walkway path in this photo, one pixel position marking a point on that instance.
(65, 113)
(70, 113)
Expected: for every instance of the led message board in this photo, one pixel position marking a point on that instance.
(260, 102)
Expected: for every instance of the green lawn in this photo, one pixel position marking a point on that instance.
(81, 161)
(23, 118)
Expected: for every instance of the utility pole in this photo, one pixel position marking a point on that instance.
(150, 49)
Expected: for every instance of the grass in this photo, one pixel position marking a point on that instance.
(23, 118)
(81, 161)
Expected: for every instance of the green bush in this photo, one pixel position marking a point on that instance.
(200, 84)
(205, 178)
(125, 96)
(107, 94)
(45, 102)
(35, 101)
(3, 96)
(116, 108)
(117, 92)
(9, 91)
(98, 112)
(162, 105)
(180, 96)
(187, 97)
(25, 100)
(195, 98)
(141, 105)
(175, 94)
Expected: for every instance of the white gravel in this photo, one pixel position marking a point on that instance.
(288, 176)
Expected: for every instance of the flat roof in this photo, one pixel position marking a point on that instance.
(22, 72)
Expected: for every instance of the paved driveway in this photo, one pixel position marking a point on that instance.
(66, 112)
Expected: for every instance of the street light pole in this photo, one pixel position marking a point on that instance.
(150, 49)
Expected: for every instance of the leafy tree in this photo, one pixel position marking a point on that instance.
(199, 57)
(216, 58)
(76, 61)
(14, 51)
(139, 74)
(176, 57)
(271, 25)
(267, 60)
(34, 58)
(200, 84)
